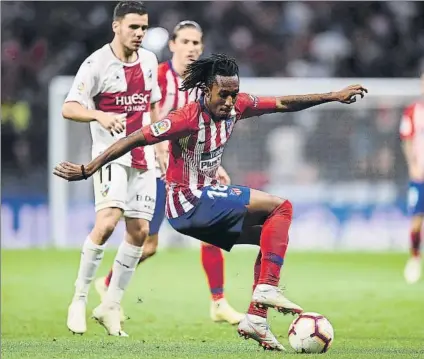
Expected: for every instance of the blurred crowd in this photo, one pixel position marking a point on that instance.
(41, 40)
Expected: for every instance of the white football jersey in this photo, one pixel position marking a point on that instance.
(105, 83)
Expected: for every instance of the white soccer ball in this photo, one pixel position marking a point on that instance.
(311, 333)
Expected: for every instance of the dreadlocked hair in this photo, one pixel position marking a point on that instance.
(202, 73)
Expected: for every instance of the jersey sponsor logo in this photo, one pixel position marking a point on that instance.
(134, 102)
(210, 164)
(161, 127)
(212, 159)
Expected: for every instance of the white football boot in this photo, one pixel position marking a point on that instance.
(256, 328)
(77, 322)
(221, 311)
(268, 296)
(109, 317)
(412, 272)
(101, 289)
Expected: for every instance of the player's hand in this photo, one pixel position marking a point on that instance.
(112, 123)
(222, 176)
(70, 171)
(348, 95)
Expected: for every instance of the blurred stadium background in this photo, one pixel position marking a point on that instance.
(340, 163)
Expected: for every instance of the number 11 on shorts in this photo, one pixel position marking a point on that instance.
(107, 168)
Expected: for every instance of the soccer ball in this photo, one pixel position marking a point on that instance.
(311, 333)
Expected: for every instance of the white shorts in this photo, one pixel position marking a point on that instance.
(131, 189)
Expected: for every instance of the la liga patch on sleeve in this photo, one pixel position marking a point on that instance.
(161, 127)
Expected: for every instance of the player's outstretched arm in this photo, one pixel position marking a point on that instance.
(251, 106)
(175, 126)
(302, 102)
(73, 172)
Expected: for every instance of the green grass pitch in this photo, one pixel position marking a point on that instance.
(374, 313)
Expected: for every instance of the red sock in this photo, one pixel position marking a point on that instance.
(108, 278)
(262, 312)
(213, 264)
(274, 241)
(415, 243)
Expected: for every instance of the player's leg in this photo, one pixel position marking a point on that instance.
(413, 268)
(213, 264)
(225, 216)
(151, 243)
(139, 212)
(110, 201)
(275, 215)
(255, 325)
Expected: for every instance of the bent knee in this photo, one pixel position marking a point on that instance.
(137, 231)
(140, 233)
(282, 205)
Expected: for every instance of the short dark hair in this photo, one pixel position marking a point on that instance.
(184, 25)
(128, 7)
(202, 73)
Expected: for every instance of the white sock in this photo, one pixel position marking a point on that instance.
(125, 263)
(91, 257)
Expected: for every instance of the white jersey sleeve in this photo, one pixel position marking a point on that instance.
(156, 93)
(86, 84)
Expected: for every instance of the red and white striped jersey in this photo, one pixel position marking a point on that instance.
(197, 144)
(105, 83)
(412, 128)
(172, 97)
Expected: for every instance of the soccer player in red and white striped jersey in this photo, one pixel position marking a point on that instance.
(197, 204)
(412, 137)
(186, 44)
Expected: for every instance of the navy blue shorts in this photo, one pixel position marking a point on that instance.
(218, 216)
(416, 198)
(159, 213)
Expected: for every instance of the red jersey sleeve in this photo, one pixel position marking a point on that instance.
(176, 125)
(406, 128)
(250, 106)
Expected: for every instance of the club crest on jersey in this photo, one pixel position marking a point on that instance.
(235, 191)
(161, 127)
(105, 190)
(229, 123)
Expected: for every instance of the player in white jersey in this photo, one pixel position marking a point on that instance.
(116, 90)
(412, 136)
(186, 44)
